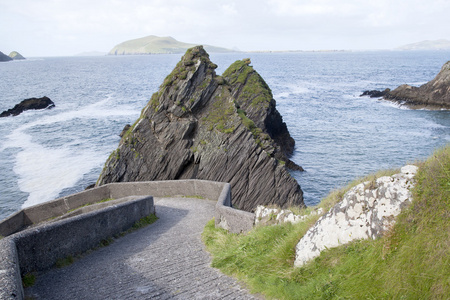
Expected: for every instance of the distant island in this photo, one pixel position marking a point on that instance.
(158, 45)
(16, 55)
(12, 56)
(427, 45)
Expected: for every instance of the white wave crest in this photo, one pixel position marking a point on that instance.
(45, 171)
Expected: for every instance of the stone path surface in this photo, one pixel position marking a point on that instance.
(165, 260)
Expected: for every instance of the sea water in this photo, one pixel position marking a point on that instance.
(339, 136)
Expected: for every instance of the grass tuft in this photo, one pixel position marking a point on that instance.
(28, 280)
(150, 219)
(64, 262)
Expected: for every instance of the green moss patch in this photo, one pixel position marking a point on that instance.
(220, 116)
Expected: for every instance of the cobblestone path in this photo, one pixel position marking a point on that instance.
(165, 260)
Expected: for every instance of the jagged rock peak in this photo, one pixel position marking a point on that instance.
(203, 126)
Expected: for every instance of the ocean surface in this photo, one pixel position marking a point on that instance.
(339, 135)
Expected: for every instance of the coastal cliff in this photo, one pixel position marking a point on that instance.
(433, 94)
(203, 126)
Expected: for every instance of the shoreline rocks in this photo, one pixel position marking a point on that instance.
(375, 93)
(27, 104)
(203, 126)
(367, 211)
(434, 94)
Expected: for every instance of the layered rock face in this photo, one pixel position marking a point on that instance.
(27, 104)
(203, 126)
(366, 212)
(434, 94)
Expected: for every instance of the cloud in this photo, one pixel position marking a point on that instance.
(69, 26)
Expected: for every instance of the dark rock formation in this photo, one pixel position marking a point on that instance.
(16, 55)
(434, 94)
(4, 57)
(124, 130)
(32, 103)
(375, 93)
(203, 126)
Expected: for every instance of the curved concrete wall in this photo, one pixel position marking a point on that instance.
(38, 247)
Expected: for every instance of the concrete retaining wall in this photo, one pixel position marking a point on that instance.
(10, 278)
(40, 246)
(52, 209)
(228, 218)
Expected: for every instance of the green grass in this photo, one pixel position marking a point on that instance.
(150, 219)
(220, 116)
(64, 262)
(411, 261)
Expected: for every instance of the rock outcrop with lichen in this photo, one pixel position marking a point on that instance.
(433, 94)
(203, 126)
(367, 211)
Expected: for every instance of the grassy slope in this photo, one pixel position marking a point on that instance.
(410, 262)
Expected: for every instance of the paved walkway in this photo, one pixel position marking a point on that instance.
(165, 260)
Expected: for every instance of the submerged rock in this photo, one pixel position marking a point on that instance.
(367, 211)
(203, 126)
(27, 104)
(375, 93)
(434, 94)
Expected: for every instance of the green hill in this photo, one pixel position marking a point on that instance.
(16, 55)
(157, 45)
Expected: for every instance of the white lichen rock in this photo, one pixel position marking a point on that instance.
(267, 216)
(367, 211)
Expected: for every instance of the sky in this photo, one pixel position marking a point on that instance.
(68, 27)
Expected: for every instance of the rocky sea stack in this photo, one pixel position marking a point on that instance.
(433, 94)
(203, 126)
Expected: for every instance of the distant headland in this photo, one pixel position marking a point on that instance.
(427, 45)
(158, 45)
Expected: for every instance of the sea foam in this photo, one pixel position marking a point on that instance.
(46, 170)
